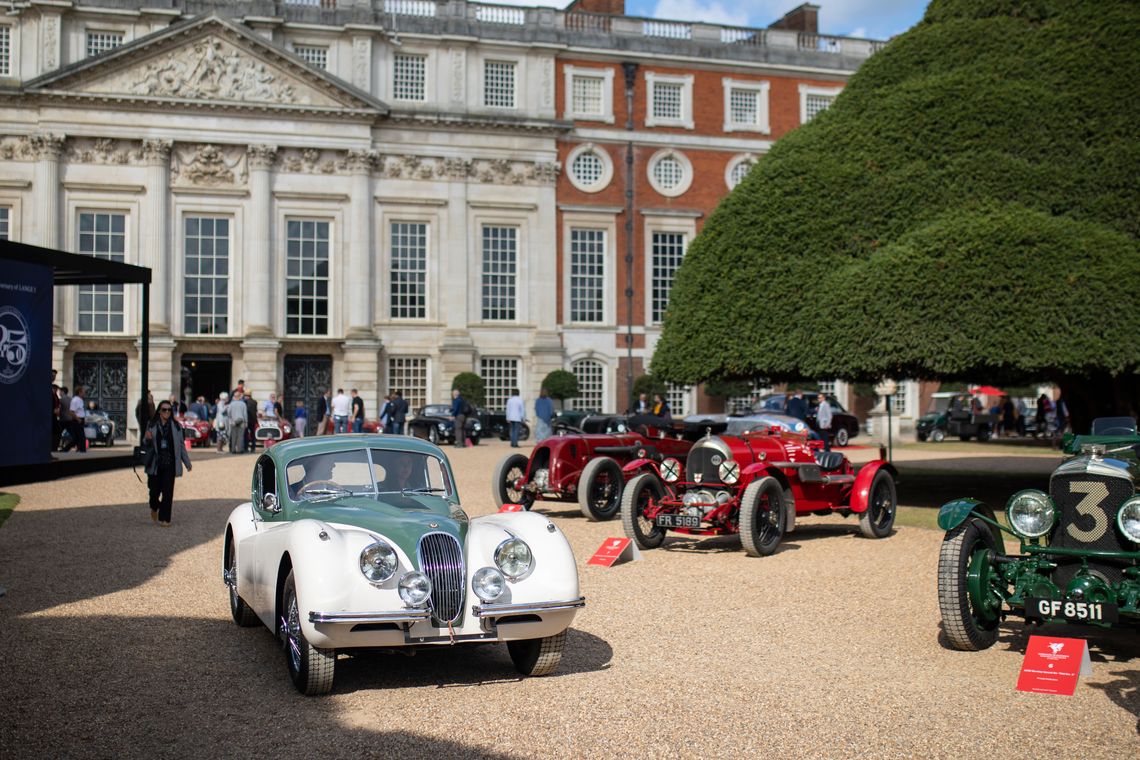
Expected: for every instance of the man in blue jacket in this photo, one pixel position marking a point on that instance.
(458, 409)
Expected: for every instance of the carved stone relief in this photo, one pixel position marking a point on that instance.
(547, 94)
(47, 146)
(261, 156)
(458, 75)
(15, 148)
(50, 26)
(362, 62)
(104, 151)
(208, 165)
(210, 69)
(157, 152)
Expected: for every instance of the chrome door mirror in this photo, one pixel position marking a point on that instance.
(269, 503)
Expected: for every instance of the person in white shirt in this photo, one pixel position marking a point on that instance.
(823, 419)
(516, 412)
(341, 408)
(269, 406)
(78, 409)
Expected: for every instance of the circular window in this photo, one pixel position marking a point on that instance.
(738, 169)
(590, 168)
(670, 173)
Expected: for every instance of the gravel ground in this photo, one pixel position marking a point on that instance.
(118, 643)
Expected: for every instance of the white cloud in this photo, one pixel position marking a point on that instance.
(859, 31)
(709, 11)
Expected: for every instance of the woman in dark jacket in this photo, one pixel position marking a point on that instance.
(166, 453)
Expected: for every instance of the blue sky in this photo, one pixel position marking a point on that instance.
(875, 19)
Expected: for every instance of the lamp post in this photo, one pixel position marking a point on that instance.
(887, 389)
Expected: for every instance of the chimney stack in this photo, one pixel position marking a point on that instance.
(802, 19)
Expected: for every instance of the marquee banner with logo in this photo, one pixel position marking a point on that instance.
(25, 363)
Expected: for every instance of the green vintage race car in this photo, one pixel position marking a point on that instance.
(1079, 559)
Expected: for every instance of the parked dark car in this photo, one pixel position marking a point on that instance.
(570, 418)
(495, 423)
(435, 423)
(844, 425)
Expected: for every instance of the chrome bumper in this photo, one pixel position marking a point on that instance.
(527, 608)
(401, 616)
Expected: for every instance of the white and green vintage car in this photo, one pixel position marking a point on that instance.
(360, 542)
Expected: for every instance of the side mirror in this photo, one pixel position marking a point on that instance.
(269, 503)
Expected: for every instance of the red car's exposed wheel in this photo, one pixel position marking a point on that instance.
(639, 493)
(505, 480)
(879, 518)
(762, 517)
(599, 489)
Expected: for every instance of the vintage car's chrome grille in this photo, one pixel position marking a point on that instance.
(700, 463)
(441, 560)
(1087, 504)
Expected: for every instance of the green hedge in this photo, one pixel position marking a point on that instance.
(969, 206)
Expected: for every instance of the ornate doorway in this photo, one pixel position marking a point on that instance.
(305, 378)
(105, 378)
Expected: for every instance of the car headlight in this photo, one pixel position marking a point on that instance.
(477, 427)
(1031, 513)
(671, 470)
(104, 429)
(488, 584)
(513, 557)
(729, 471)
(415, 588)
(287, 429)
(378, 562)
(1128, 519)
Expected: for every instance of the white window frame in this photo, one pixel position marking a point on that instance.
(506, 389)
(414, 402)
(736, 161)
(606, 74)
(232, 281)
(652, 78)
(807, 89)
(518, 75)
(123, 292)
(95, 30)
(8, 60)
(389, 251)
(296, 46)
(598, 304)
(683, 394)
(332, 323)
(762, 124)
(418, 214)
(577, 403)
(316, 42)
(93, 202)
(426, 57)
(607, 174)
(6, 213)
(686, 180)
(665, 224)
(517, 285)
(606, 221)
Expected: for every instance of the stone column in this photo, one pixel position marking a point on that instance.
(45, 192)
(460, 301)
(257, 270)
(358, 259)
(157, 252)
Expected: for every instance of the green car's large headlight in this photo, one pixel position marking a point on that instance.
(1128, 519)
(1031, 513)
(513, 557)
(378, 561)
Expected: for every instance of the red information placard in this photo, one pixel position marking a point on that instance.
(612, 551)
(1052, 665)
(511, 508)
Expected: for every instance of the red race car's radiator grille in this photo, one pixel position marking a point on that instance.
(1087, 506)
(441, 560)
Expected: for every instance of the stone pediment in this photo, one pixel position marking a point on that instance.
(209, 62)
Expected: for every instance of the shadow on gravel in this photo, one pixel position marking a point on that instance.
(461, 666)
(64, 556)
(1125, 692)
(188, 687)
(790, 542)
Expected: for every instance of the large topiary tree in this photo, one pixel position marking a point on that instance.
(968, 208)
(471, 387)
(561, 385)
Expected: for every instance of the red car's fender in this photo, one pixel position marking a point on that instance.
(637, 466)
(861, 491)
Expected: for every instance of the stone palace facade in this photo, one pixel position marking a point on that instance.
(381, 194)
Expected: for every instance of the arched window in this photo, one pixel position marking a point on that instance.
(591, 385)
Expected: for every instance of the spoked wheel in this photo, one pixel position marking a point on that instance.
(639, 494)
(879, 518)
(762, 517)
(311, 669)
(240, 611)
(537, 657)
(506, 481)
(599, 489)
(842, 437)
(433, 435)
(969, 595)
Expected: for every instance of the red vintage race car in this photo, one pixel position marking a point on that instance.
(585, 467)
(195, 430)
(754, 484)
